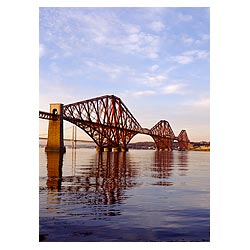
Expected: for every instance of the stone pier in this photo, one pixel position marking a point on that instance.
(111, 149)
(55, 141)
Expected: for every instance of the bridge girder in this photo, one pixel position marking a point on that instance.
(163, 135)
(111, 125)
(183, 140)
(48, 116)
(105, 119)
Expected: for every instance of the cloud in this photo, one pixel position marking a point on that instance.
(156, 80)
(184, 18)
(190, 56)
(187, 39)
(204, 38)
(202, 103)
(182, 59)
(79, 31)
(142, 43)
(199, 54)
(144, 93)
(177, 88)
(152, 80)
(154, 68)
(131, 28)
(113, 71)
(157, 26)
(126, 94)
(41, 50)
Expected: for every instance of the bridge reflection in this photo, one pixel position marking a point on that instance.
(162, 167)
(102, 182)
(106, 178)
(183, 163)
(54, 171)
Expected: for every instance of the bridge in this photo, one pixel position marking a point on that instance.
(109, 123)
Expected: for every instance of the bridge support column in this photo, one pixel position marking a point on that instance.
(124, 149)
(119, 149)
(99, 149)
(55, 141)
(111, 149)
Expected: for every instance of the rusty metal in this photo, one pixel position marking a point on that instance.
(105, 119)
(48, 116)
(110, 124)
(163, 135)
(183, 140)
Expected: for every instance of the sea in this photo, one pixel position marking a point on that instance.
(134, 196)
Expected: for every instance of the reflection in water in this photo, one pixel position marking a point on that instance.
(162, 166)
(54, 179)
(73, 160)
(113, 175)
(103, 181)
(183, 162)
(108, 174)
(124, 196)
(54, 170)
(107, 178)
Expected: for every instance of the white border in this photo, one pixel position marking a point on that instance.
(229, 122)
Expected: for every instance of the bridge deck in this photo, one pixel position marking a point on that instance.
(48, 116)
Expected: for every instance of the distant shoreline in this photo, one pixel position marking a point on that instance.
(77, 140)
(196, 146)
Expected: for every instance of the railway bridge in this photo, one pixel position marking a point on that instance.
(109, 123)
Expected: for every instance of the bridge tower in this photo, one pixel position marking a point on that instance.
(55, 141)
(163, 136)
(183, 141)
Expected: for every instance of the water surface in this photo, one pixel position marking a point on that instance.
(140, 195)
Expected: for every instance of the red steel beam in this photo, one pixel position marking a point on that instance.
(109, 123)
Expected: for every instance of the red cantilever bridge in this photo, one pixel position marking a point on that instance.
(109, 123)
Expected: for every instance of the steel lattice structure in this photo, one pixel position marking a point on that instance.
(183, 140)
(163, 135)
(105, 119)
(48, 116)
(110, 124)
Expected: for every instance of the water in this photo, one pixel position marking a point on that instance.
(140, 195)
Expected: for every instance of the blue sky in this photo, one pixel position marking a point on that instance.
(157, 60)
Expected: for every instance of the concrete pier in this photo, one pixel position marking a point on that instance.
(117, 149)
(106, 149)
(111, 149)
(55, 141)
(124, 149)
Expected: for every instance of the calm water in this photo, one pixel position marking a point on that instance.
(140, 195)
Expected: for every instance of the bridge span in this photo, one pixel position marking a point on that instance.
(109, 123)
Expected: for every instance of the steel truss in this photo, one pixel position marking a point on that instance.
(110, 124)
(105, 119)
(48, 116)
(183, 140)
(163, 135)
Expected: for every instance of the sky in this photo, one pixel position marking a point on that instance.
(157, 60)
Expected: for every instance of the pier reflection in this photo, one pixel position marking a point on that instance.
(162, 167)
(54, 178)
(163, 162)
(54, 171)
(183, 163)
(102, 181)
(112, 176)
